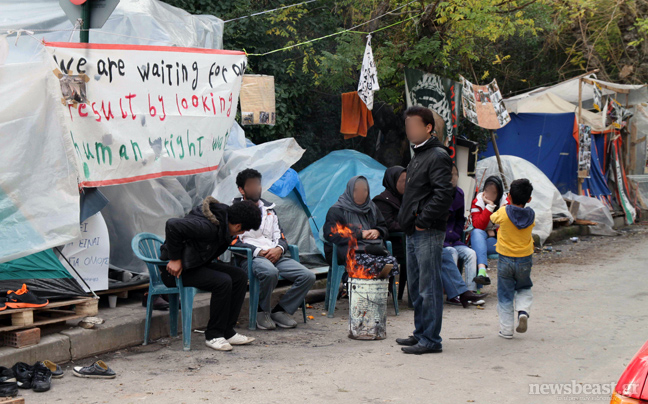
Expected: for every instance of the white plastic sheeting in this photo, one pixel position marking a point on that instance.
(546, 199)
(271, 159)
(593, 209)
(39, 197)
(136, 22)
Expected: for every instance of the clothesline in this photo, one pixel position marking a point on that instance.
(269, 11)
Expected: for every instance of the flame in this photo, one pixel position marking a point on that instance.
(354, 269)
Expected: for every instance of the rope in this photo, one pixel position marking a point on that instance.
(269, 11)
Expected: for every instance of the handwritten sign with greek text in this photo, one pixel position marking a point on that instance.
(141, 112)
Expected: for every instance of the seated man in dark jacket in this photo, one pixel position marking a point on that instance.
(192, 244)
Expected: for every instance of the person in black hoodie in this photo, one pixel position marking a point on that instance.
(192, 245)
(389, 203)
(423, 216)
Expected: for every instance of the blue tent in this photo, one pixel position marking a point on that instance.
(325, 180)
(547, 141)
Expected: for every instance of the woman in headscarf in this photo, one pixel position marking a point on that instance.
(355, 210)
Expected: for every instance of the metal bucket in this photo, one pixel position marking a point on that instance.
(368, 308)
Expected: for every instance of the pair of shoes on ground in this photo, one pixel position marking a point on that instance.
(222, 344)
(270, 321)
(37, 377)
(21, 299)
(523, 323)
(411, 346)
(98, 370)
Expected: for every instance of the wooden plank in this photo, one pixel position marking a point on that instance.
(22, 318)
(40, 323)
(49, 306)
(87, 309)
(12, 400)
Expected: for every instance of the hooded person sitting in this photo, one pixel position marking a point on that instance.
(484, 234)
(192, 245)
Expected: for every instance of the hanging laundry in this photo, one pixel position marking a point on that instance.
(258, 100)
(356, 117)
(368, 77)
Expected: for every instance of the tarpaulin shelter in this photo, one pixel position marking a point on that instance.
(548, 140)
(42, 273)
(326, 179)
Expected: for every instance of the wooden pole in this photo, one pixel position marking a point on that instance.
(580, 114)
(499, 160)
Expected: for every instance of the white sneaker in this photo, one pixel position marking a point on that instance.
(506, 336)
(522, 323)
(239, 339)
(219, 344)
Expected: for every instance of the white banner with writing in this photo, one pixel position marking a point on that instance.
(140, 112)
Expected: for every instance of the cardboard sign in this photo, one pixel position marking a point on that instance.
(258, 100)
(90, 254)
(149, 111)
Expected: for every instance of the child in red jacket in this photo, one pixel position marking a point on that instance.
(484, 234)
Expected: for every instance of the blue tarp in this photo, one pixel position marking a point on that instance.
(596, 185)
(325, 180)
(547, 141)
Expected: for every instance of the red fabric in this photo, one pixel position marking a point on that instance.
(356, 118)
(481, 219)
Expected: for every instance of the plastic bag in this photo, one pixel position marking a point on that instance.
(594, 210)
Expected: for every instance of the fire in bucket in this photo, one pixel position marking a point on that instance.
(368, 288)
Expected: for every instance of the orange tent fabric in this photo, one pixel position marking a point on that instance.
(356, 118)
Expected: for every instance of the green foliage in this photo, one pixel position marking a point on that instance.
(521, 43)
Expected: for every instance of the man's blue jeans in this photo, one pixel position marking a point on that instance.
(513, 288)
(424, 251)
(453, 283)
(483, 245)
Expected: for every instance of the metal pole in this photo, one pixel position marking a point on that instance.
(85, 27)
(499, 160)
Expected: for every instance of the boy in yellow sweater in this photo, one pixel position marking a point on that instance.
(515, 249)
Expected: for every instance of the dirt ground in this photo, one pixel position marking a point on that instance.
(588, 319)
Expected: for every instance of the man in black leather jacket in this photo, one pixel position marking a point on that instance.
(423, 216)
(192, 245)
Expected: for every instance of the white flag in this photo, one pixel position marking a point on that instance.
(368, 77)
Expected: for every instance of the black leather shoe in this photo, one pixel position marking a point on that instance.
(469, 296)
(420, 350)
(409, 341)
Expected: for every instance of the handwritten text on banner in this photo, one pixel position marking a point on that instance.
(146, 111)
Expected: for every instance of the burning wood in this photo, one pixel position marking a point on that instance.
(367, 266)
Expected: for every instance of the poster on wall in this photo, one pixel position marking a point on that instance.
(90, 254)
(483, 105)
(437, 93)
(258, 100)
(584, 151)
(140, 112)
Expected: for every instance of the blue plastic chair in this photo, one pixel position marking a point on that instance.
(146, 247)
(334, 277)
(255, 286)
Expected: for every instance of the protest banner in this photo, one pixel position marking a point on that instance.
(437, 93)
(140, 112)
(483, 105)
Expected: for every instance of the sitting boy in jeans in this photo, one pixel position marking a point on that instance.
(515, 249)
